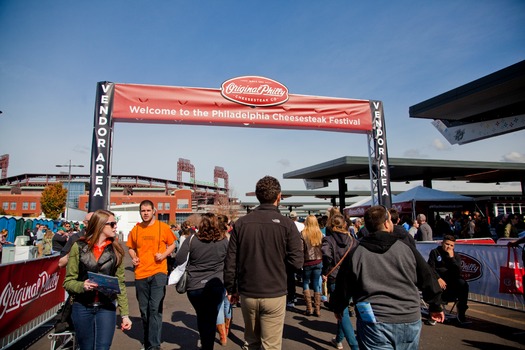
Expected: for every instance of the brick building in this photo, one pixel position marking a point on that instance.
(175, 201)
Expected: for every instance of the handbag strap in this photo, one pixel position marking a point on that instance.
(189, 247)
(341, 260)
(516, 261)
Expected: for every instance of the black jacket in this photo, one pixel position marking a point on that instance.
(262, 245)
(334, 247)
(446, 267)
(403, 235)
(106, 264)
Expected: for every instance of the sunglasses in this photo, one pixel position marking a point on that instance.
(112, 224)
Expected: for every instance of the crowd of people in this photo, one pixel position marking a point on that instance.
(461, 225)
(255, 263)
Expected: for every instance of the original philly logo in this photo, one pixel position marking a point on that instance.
(471, 268)
(14, 297)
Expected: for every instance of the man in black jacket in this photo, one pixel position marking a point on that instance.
(447, 265)
(383, 275)
(262, 245)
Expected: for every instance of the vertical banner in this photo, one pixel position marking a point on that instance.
(380, 161)
(100, 182)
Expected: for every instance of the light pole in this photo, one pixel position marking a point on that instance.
(69, 166)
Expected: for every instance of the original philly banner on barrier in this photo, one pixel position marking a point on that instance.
(480, 267)
(27, 290)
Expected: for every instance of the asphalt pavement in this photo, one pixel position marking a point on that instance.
(491, 327)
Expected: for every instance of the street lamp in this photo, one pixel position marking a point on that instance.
(69, 166)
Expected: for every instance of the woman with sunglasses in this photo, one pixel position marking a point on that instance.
(94, 310)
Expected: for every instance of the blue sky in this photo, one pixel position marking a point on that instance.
(54, 52)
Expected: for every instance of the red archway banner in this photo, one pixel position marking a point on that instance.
(249, 101)
(181, 105)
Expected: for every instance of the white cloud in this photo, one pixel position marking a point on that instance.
(440, 146)
(515, 157)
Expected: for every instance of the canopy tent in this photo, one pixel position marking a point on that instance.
(420, 199)
(421, 193)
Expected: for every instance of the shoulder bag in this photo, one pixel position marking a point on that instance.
(511, 275)
(325, 283)
(182, 284)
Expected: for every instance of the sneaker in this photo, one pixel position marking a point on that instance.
(431, 322)
(290, 304)
(462, 320)
(336, 344)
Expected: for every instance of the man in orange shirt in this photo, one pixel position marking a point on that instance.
(149, 243)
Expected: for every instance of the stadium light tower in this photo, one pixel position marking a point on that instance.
(69, 166)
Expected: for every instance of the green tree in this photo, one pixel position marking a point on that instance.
(53, 200)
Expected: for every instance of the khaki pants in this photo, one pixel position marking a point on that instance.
(263, 322)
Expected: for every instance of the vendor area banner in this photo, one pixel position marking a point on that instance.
(480, 267)
(27, 290)
(243, 102)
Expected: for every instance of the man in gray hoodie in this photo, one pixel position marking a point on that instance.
(383, 275)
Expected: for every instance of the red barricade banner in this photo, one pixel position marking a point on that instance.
(27, 290)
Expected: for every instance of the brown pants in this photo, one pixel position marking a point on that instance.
(263, 322)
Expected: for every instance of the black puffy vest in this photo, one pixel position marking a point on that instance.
(106, 264)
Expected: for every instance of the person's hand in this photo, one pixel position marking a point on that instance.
(135, 261)
(159, 257)
(126, 323)
(438, 316)
(442, 283)
(233, 298)
(325, 278)
(89, 286)
(450, 251)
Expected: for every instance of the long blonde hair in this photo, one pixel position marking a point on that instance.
(311, 232)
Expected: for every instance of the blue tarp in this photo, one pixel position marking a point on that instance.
(425, 194)
(422, 194)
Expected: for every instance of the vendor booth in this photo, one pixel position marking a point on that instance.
(423, 200)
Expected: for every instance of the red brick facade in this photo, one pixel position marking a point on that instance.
(27, 203)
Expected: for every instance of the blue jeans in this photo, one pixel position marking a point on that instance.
(206, 302)
(150, 295)
(344, 327)
(94, 326)
(312, 274)
(399, 336)
(225, 310)
(346, 330)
